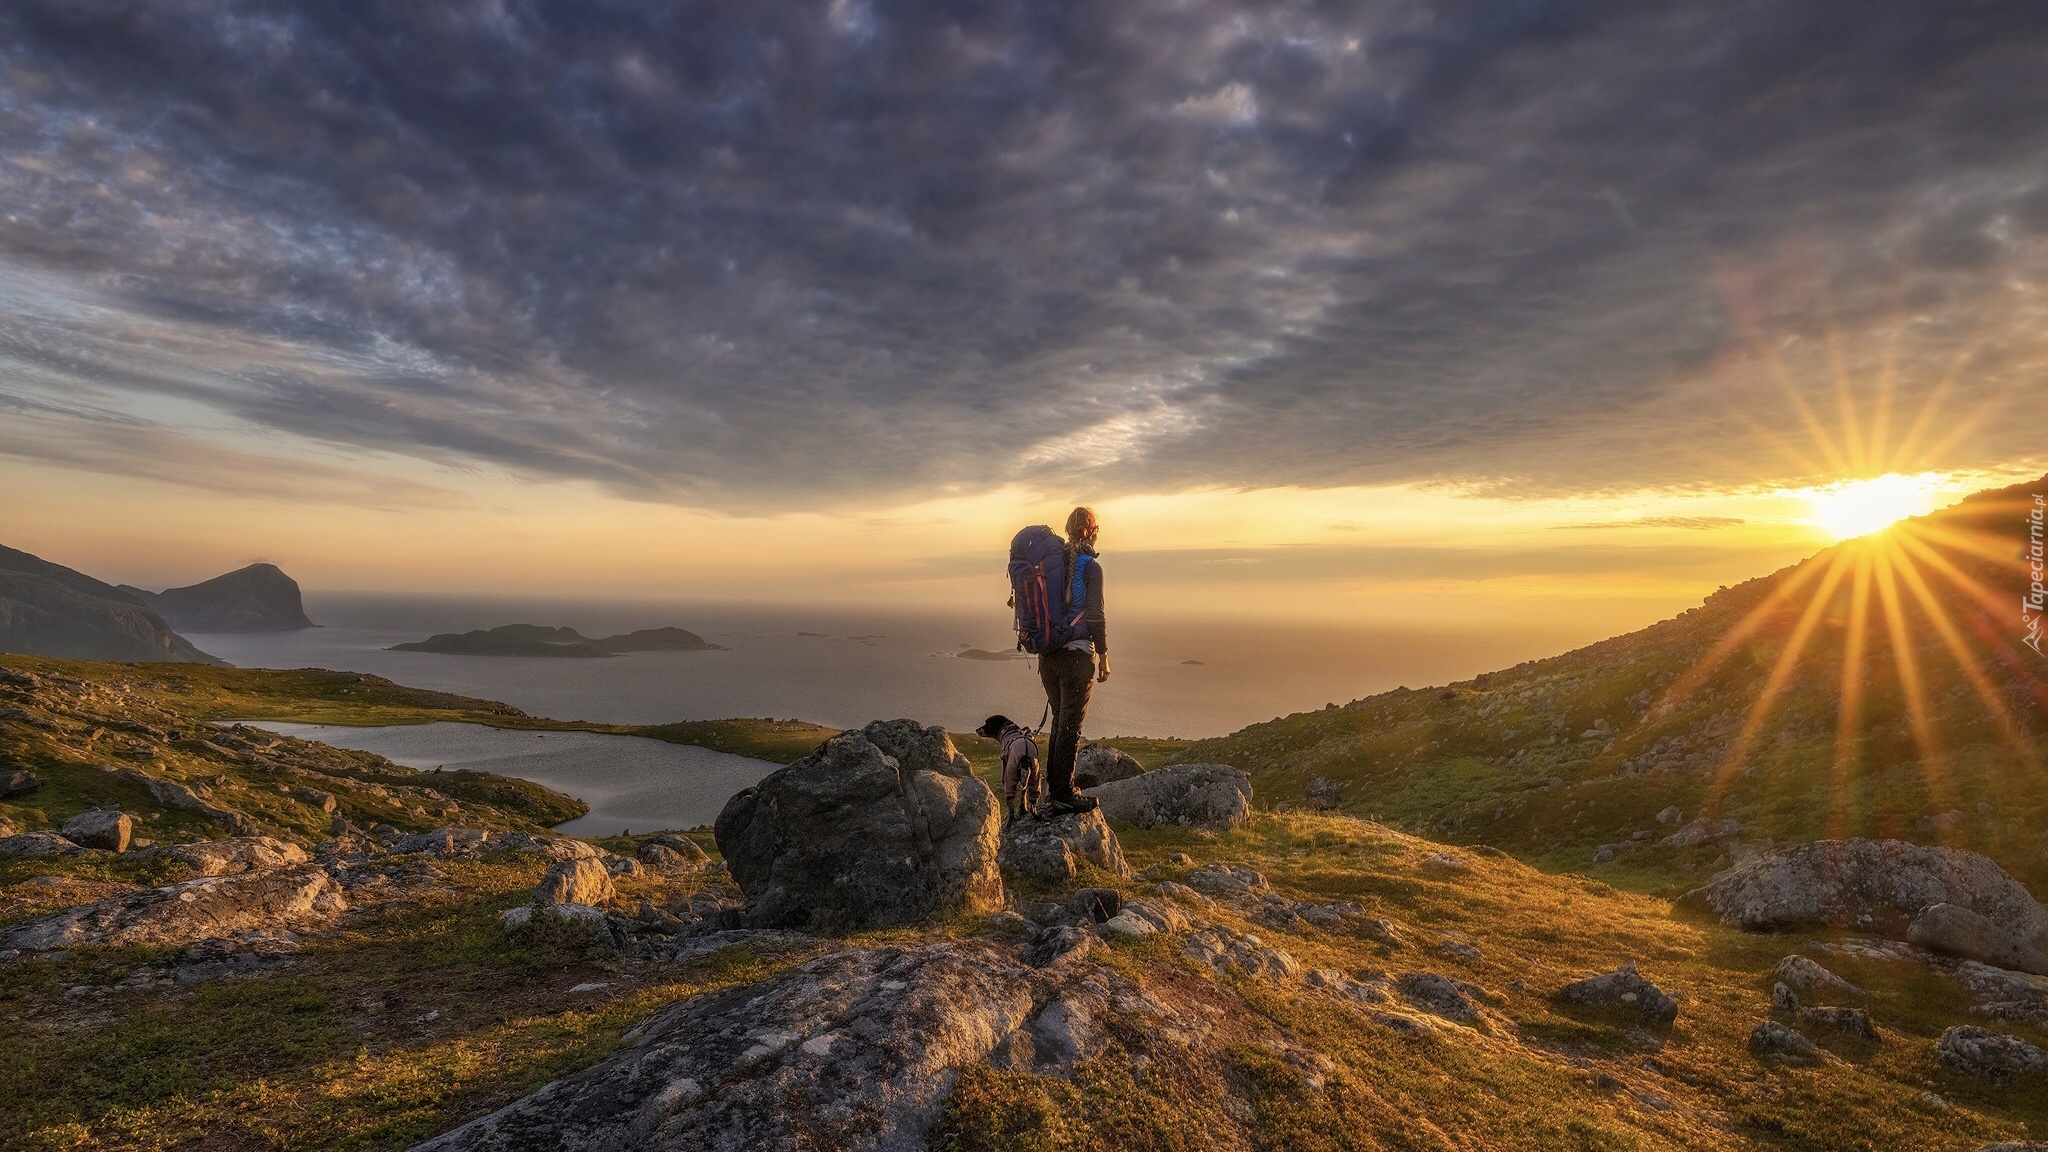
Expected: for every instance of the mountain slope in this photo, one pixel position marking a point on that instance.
(1879, 688)
(259, 598)
(49, 610)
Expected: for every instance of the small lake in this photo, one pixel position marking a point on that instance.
(630, 782)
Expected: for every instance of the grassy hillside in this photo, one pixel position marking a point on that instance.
(1877, 689)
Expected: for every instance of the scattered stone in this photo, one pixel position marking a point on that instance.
(582, 917)
(1223, 948)
(299, 899)
(1334, 914)
(1180, 860)
(1604, 854)
(1440, 996)
(1101, 764)
(443, 842)
(1056, 849)
(1445, 864)
(1059, 943)
(1464, 950)
(1783, 999)
(108, 830)
(672, 854)
(1359, 991)
(1144, 918)
(1624, 987)
(192, 797)
(1324, 794)
(1771, 1038)
(1883, 886)
(1670, 815)
(1095, 904)
(36, 844)
(917, 748)
(2004, 995)
(1214, 797)
(1184, 894)
(539, 843)
(584, 882)
(1227, 880)
(1972, 1051)
(1809, 977)
(1957, 931)
(1703, 831)
(235, 855)
(18, 783)
(1853, 1022)
(849, 838)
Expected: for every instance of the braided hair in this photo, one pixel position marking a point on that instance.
(1080, 522)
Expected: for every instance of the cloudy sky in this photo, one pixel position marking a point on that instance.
(1355, 299)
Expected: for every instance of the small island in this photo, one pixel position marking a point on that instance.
(537, 640)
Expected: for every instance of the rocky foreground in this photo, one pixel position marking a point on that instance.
(861, 956)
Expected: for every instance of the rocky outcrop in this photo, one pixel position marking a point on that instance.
(1215, 797)
(1770, 1038)
(1623, 988)
(1807, 976)
(1056, 849)
(105, 829)
(917, 748)
(1888, 886)
(297, 899)
(849, 838)
(672, 854)
(191, 797)
(1973, 1051)
(1703, 832)
(36, 844)
(1851, 1022)
(49, 610)
(1223, 948)
(234, 855)
(584, 881)
(1101, 764)
(259, 598)
(855, 1051)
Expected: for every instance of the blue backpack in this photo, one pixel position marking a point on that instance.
(1050, 601)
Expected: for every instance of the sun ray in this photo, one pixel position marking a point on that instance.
(1845, 403)
(1933, 765)
(1743, 629)
(1971, 543)
(1966, 660)
(1849, 709)
(1903, 459)
(1774, 681)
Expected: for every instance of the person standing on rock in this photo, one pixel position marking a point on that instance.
(1070, 672)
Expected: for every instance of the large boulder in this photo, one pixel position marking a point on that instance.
(1056, 849)
(584, 881)
(1974, 1051)
(918, 748)
(1885, 887)
(107, 829)
(849, 838)
(1215, 797)
(36, 844)
(294, 899)
(1623, 988)
(672, 854)
(1100, 764)
(856, 1051)
(235, 855)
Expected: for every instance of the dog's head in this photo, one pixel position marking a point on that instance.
(994, 726)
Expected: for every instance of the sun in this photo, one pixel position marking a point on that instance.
(1859, 507)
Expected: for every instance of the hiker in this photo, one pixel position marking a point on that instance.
(1070, 670)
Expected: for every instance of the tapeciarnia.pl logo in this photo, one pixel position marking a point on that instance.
(2035, 603)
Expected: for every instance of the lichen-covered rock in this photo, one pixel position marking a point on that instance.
(443, 842)
(1228, 880)
(918, 748)
(1771, 1038)
(1215, 797)
(1805, 975)
(235, 854)
(1974, 1051)
(1623, 988)
(1144, 918)
(1324, 794)
(1440, 996)
(856, 1051)
(1854, 1022)
(18, 783)
(106, 829)
(543, 844)
(1957, 931)
(36, 844)
(1883, 886)
(672, 854)
(297, 899)
(848, 838)
(192, 797)
(1056, 848)
(1704, 831)
(1223, 948)
(584, 881)
(1100, 764)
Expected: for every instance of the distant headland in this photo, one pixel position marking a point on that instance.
(537, 640)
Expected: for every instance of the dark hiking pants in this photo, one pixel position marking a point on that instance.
(1068, 674)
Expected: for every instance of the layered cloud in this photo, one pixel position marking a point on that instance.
(791, 255)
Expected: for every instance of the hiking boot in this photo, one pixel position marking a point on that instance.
(1061, 805)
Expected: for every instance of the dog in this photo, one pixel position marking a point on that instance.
(1023, 776)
